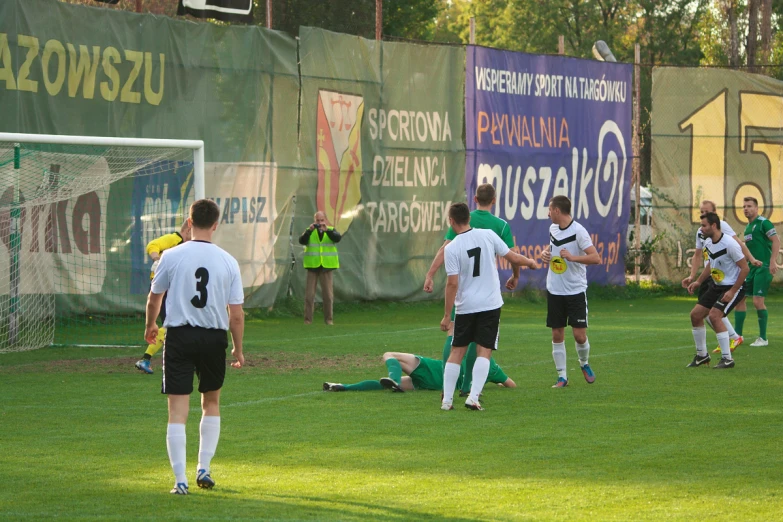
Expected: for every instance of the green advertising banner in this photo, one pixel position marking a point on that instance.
(382, 155)
(76, 70)
(715, 136)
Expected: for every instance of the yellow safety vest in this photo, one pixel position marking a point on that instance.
(321, 252)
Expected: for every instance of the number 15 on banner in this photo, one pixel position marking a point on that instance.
(709, 144)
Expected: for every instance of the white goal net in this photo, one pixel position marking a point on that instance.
(75, 216)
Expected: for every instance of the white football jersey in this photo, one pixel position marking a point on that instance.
(471, 255)
(567, 278)
(724, 227)
(724, 256)
(202, 279)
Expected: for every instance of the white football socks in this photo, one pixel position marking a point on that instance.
(730, 328)
(583, 351)
(210, 434)
(559, 355)
(175, 442)
(725, 348)
(450, 376)
(700, 337)
(480, 373)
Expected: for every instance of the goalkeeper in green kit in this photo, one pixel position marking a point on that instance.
(482, 218)
(763, 242)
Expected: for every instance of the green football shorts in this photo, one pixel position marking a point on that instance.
(758, 281)
(428, 375)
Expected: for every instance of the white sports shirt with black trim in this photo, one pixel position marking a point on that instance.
(471, 255)
(724, 256)
(563, 277)
(724, 227)
(202, 279)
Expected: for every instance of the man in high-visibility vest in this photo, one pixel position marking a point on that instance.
(320, 258)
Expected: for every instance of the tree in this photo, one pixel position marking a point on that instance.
(753, 27)
(414, 19)
(766, 30)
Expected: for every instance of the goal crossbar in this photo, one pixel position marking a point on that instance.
(66, 267)
(59, 139)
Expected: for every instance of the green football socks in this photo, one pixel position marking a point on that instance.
(395, 370)
(364, 386)
(470, 361)
(447, 350)
(739, 321)
(763, 316)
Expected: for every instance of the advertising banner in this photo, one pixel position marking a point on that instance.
(382, 155)
(716, 137)
(541, 126)
(79, 70)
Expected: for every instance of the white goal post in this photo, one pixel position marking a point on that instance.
(40, 176)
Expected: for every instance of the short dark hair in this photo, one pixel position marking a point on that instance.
(562, 203)
(204, 213)
(750, 198)
(712, 218)
(485, 193)
(460, 213)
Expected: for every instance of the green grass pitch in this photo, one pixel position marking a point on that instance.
(82, 433)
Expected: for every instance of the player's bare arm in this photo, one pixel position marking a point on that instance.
(509, 383)
(546, 254)
(451, 293)
(436, 264)
(699, 280)
(744, 271)
(153, 308)
(236, 325)
(751, 260)
(590, 256)
(695, 264)
(773, 261)
(514, 279)
(520, 260)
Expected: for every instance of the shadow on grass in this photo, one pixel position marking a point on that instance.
(218, 504)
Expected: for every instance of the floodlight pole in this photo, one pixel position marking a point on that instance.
(269, 14)
(472, 30)
(635, 145)
(561, 45)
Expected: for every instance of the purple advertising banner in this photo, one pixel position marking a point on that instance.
(541, 126)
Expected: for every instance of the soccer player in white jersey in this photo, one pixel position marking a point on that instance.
(204, 301)
(473, 286)
(727, 268)
(570, 250)
(699, 261)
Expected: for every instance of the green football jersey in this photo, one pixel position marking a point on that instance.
(496, 373)
(487, 221)
(428, 375)
(758, 236)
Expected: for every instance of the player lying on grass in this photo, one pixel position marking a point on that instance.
(422, 373)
